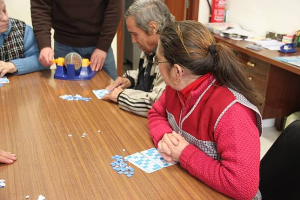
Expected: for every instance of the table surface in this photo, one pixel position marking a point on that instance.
(35, 124)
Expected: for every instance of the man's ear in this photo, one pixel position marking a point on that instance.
(153, 27)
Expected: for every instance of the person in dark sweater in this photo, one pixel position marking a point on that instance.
(84, 27)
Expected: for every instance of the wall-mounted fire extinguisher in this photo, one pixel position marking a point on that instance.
(217, 10)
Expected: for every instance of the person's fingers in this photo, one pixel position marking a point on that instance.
(41, 60)
(173, 139)
(45, 61)
(93, 63)
(125, 83)
(167, 140)
(92, 66)
(165, 149)
(105, 97)
(50, 58)
(3, 72)
(101, 64)
(166, 157)
(177, 136)
(115, 84)
(159, 147)
(6, 157)
(110, 87)
(97, 63)
(7, 154)
(6, 160)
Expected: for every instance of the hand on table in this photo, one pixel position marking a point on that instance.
(113, 95)
(97, 59)
(6, 157)
(119, 82)
(46, 56)
(171, 146)
(7, 67)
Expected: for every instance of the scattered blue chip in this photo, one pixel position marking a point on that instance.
(121, 167)
(77, 97)
(2, 183)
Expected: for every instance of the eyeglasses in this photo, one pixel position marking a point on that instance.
(156, 62)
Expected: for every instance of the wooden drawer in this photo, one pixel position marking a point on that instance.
(257, 72)
(260, 82)
(254, 65)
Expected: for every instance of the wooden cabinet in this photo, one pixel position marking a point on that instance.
(257, 72)
(278, 82)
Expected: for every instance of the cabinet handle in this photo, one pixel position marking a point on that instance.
(251, 64)
(250, 78)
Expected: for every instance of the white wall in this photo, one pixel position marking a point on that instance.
(260, 16)
(20, 9)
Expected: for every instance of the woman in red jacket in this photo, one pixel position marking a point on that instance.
(207, 117)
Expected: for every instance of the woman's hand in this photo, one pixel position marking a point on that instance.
(177, 149)
(171, 146)
(7, 67)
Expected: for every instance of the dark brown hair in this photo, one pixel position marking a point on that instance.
(191, 45)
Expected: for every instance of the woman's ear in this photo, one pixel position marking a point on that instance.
(180, 71)
(153, 27)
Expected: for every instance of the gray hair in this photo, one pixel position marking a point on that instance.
(145, 11)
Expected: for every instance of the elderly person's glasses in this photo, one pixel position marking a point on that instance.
(156, 61)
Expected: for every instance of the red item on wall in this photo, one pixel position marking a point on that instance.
(218, 10)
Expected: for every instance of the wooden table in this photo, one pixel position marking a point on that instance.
(35, 124)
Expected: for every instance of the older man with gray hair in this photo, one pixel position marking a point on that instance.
(138, 89)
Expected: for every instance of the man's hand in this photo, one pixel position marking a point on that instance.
(97, 59)
(46, 56)
(7, 67)
(119, 82)
(113, 95)
(7, 158)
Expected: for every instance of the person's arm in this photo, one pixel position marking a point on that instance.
(237, 141)
(110, 24)
(41, 22)
(41, 15)
(108, 31)
(158, 120)
(30, 62)
(139, 102)
(132, 75)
